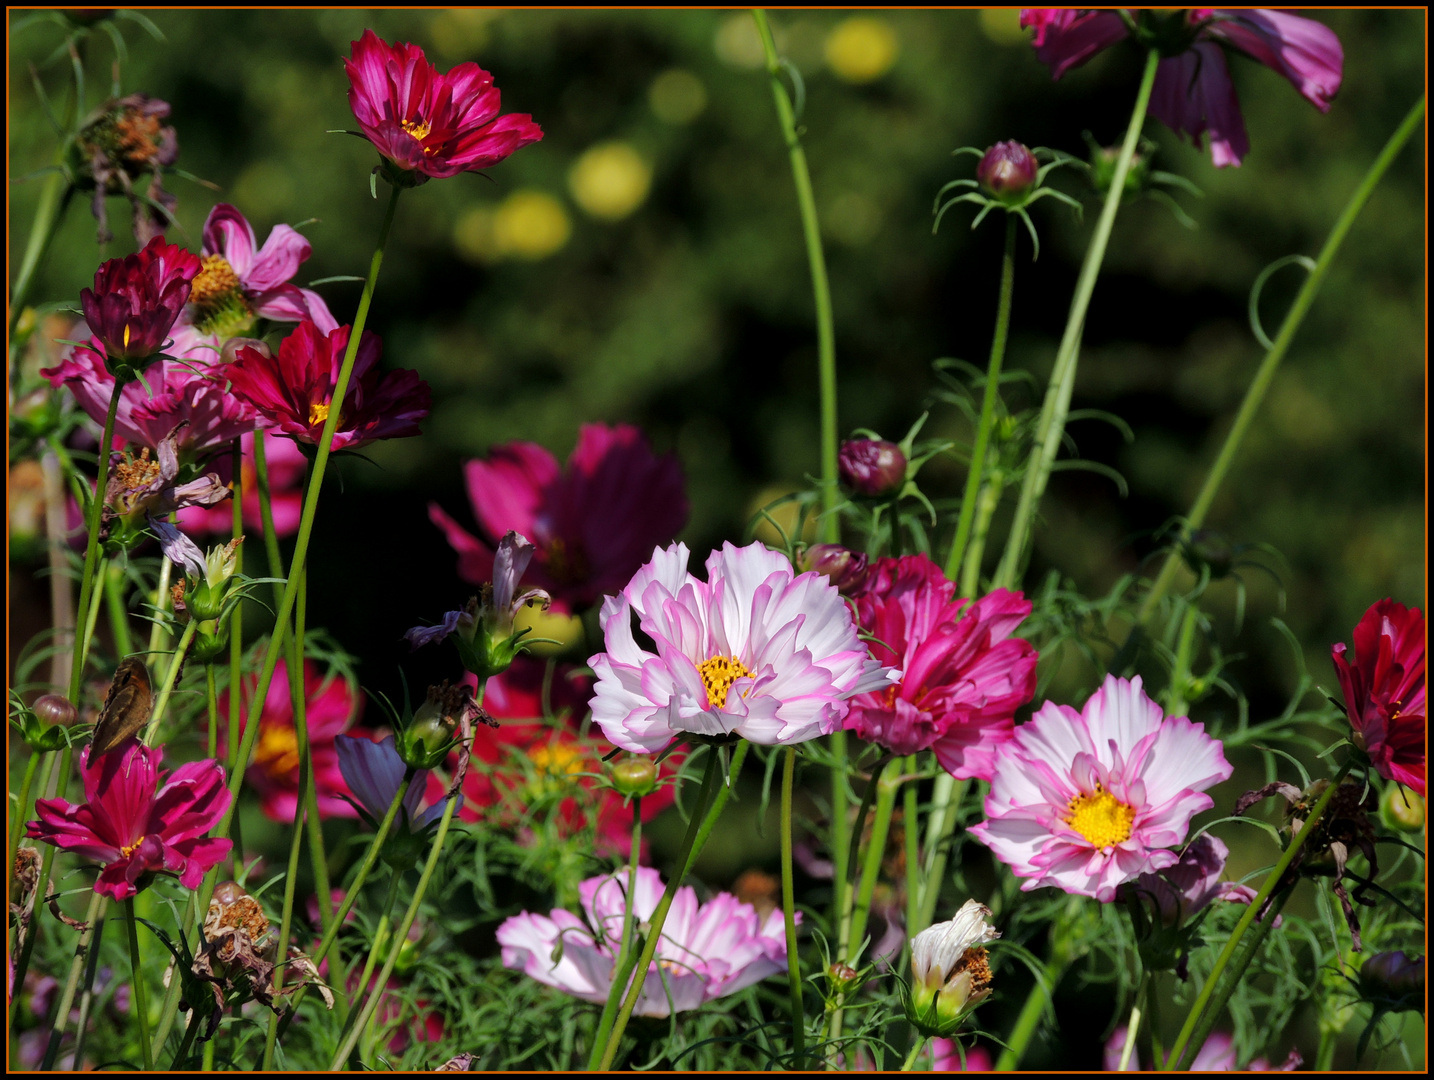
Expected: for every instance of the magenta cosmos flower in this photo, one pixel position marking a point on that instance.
(1088, 800)
(172, 393)
(286, 491)
(707, 951)
(137, 299)
(963, 675)
(1193, 94)
(131, 829)
(593, 522)
(294, 390)
(757, 650)
(1383, 684)
(430, 125)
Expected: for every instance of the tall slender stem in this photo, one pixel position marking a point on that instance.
(62, 591)
(789, 913)
(1271, 363)
(67, 996)
(626, 957)
(54, 201)
(986, 503)
(1030, 1015)
(1176, 702)
(1132, 1027)
(114, 601)
(137, 987)
(1053, 412)
(910, 832)
(988, 403)
(236, 621)
(211, 698)
(92, 545)
(916, 1048)
(871, 866)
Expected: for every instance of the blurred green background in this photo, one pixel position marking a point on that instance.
(644, 263)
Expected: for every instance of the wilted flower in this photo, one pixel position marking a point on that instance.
(133, 831)
(1086, 801)
(1193, 94)
(1181, 890)
(373, 771)
(120, 146)
(294, 391)
(757, 651)
(1008, 168)
(427, 124)
(593, 523)
(1383, 685)
(963, 675)
(140, 492)
(844, 568)
(872, 467)
(136, 301)
(705, 952)
(949, 973)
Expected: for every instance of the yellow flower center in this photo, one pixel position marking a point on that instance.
(418, 128)
(718, 675)
(1100, 817)
(216, 281)
(278, 753)
(318, 413)
(130, 849)
(556, 758)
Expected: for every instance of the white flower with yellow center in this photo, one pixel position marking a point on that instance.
(950, 975)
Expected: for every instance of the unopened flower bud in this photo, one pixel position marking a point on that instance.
(842, 977)
(950, 973)
(872, 467)
(1103, 160)
(635, 776)
(426, 742)
(846, 569)
(210, 640)
(55, 710)
(1399, 809)
(1393, 981)
(1007, 169)
(204, 599)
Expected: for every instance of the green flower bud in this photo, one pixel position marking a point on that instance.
(427, 741)
(1400, 809)
(636, 776)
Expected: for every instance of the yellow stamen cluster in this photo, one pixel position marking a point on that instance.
(130, 849)
(718, 675)
(318, 413)
(417, 127)
(278, 753)
(1100, 817)
(556, 758)
(215, 282)
(138, 136)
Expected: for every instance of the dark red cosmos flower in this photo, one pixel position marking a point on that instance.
(594, 523)
(1383, 686)
(136, 299)
(428, 124)
(294, 390)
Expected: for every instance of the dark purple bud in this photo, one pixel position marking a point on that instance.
(872, 466)
(1008, 168)
(847, 570)
(55, 710)
(1394, 980)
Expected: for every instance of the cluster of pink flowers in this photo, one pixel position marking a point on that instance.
(1383, 684)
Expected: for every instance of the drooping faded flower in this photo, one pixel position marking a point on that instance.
(131, 829)
(136, 301)
(1193, 94)
(1086, 801)
(428, 124)
(593, 522)
(706, 951)
(294, 390)
(119, 147)
(963, 675)
(949, 972)
(757, 651)
(1383, 685)
(1190, 885)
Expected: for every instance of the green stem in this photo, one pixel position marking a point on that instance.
(1324, 1057)
(159, 628)
(626, 958)
(840, 829)
(871, 868)
(1266, 374)
(986, 504)
(381, 933)
(821, 290)
(1030, 1016)
(1132, 1027)
(1286, 859)
(916, 1048)
(988, 404)
(236, 621)
(211, 694)
(114, 602)
(1176, 703)
(62, 592)
(1053, 412)
(266, 514)
(938, 851)
(49, 213)
(161, 701)
(77, 966)
(21, 812)
(789, 913)
(92, 546)
(910, 817)
(92, 618)
(187, 1040)
(87, 989)
(629, 912)
(659, 916)
(141, 1002)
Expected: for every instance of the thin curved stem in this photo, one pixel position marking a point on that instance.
(789, 913)
(916, 1048)
(54, 201)
(1132, 1027)
(92, 545)
(67, 996)
(871, 868)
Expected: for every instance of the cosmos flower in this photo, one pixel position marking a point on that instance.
(131, 829)
(757, 650)
(428, 124)
(1193, 94)
(286, 491)
(963, 675)
(1383, 685)
(706, 951)
(373, 772)
(949, 973)
(593, 522)
(1088, 800)
(137, 299)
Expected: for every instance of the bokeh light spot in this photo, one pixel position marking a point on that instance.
(861, 49)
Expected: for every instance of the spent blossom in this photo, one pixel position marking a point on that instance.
(949, 972)
(1383, 685)
(120, 146)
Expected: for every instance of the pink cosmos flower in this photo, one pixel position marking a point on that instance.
(706, 951)
(274, 775)
(171, 393)
(294, 391)
(131, 829)
(1088, 800)
(1193, 94)
(286, 491)
(136, 299)
(430, 125)
(757, 650)
(963, 675)
(946, 1058)
(1217, 1055)
(593, 523)
(1383, 685)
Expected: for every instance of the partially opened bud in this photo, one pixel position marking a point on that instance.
(1399, 809)
(426, 742)
(872, 467)
(846, 569)
(635, 776)
(950, 975)
(1008, 168)
(55, 710)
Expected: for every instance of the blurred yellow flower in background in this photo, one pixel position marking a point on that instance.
(677, 96)
(610, 180)
(528, 224)
(861, 49)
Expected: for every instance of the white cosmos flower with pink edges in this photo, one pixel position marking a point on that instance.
(1088, 800)
(706, 951)
(756, 650)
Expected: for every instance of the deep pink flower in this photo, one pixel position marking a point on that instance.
(963, 675)
(274, 775)
(294, 391)
(430, 125)
(1086, 801)
(1193, 94)
(594, 523)
(171, 392)
(706, 951)
(946, 1058)
(136, 299)
(756, 650)
(131, 829)
(1217, 1055)
(1383, 688)
(872, 467)
(286, 491)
